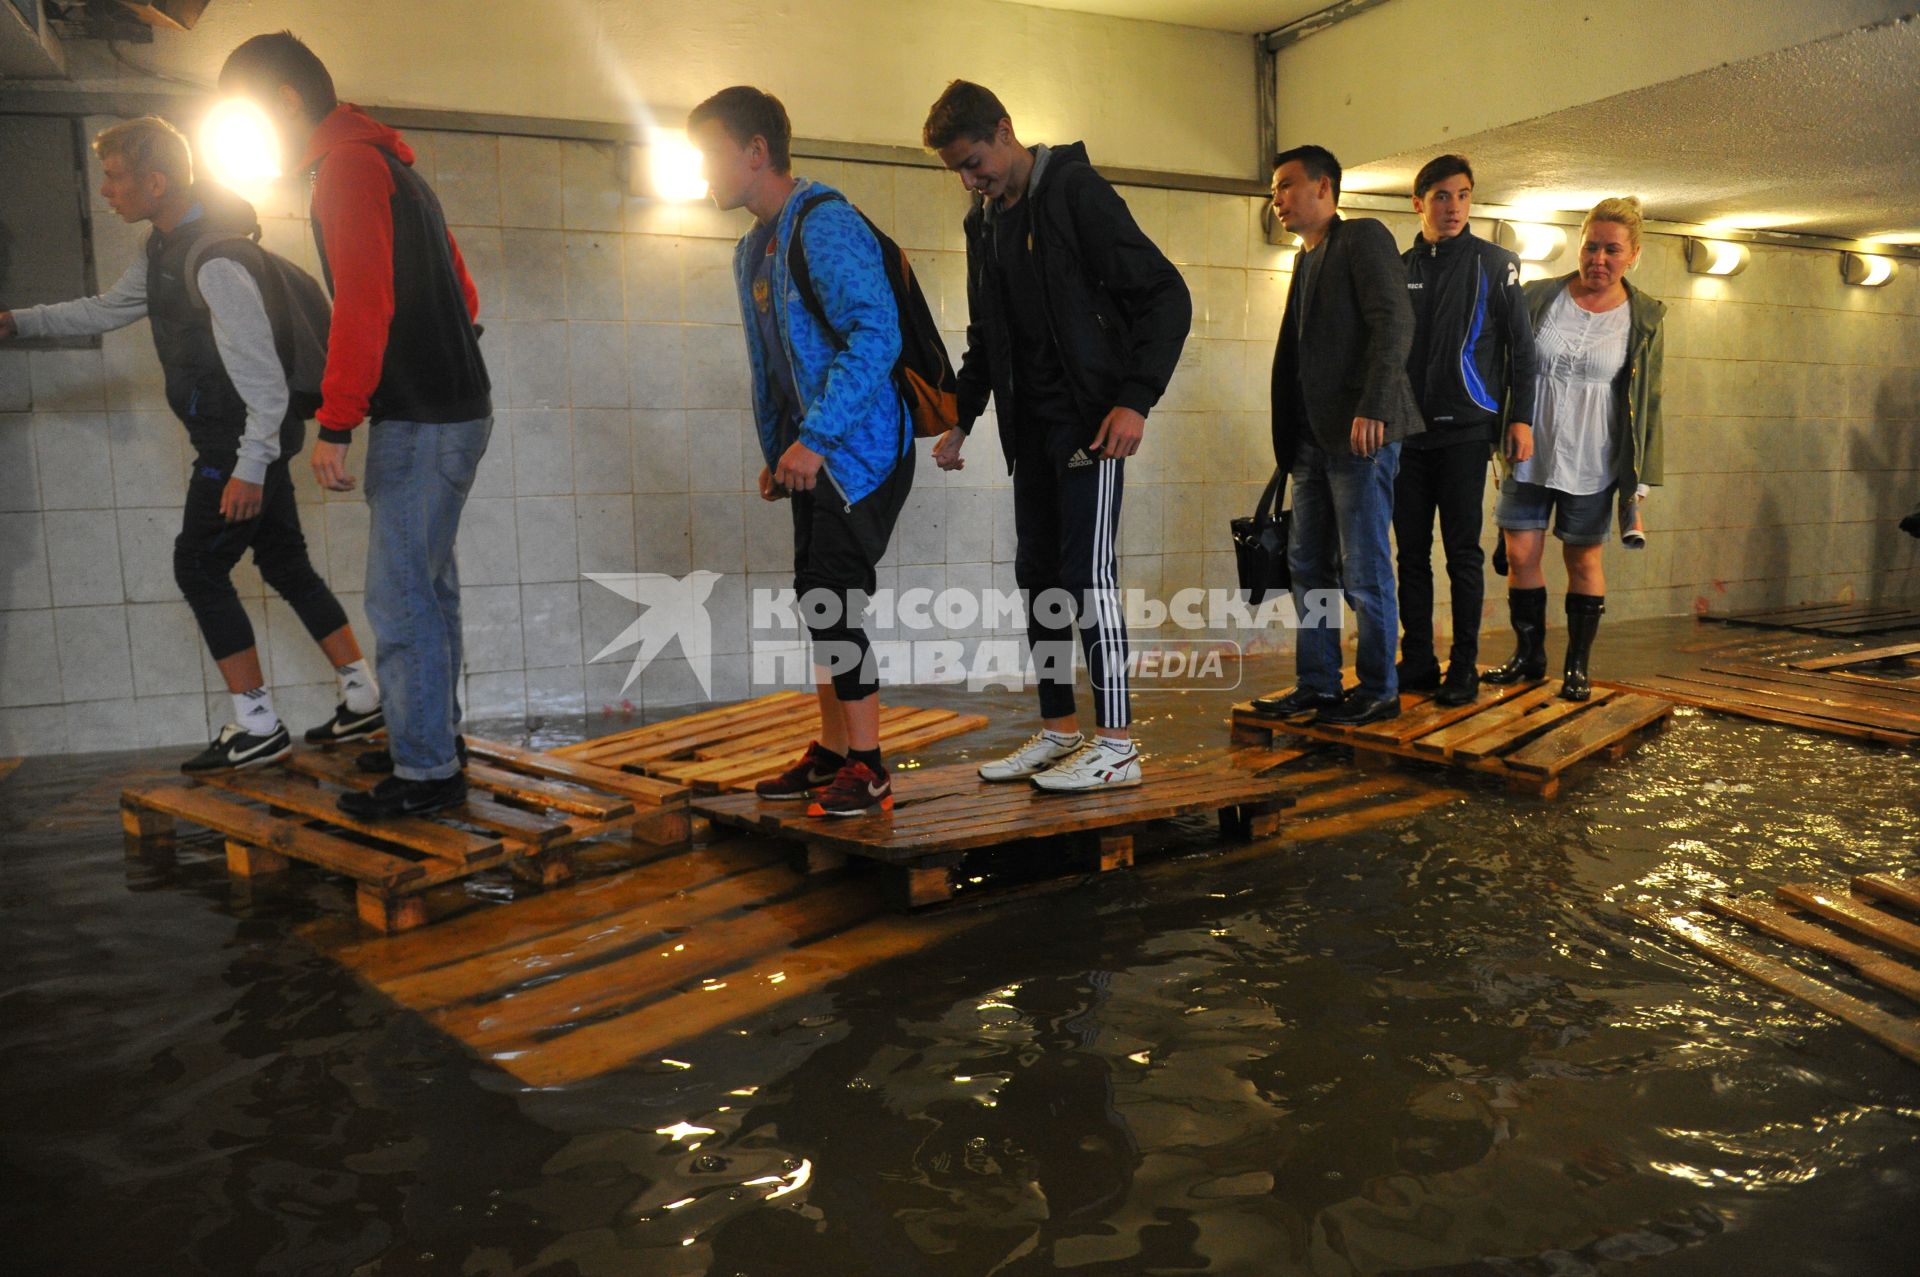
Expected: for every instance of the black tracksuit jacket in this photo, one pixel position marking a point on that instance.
(1472, 363)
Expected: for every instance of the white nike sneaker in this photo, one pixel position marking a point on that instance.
(1092, 766)
(1032, 758)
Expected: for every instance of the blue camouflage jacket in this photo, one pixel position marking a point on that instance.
(854, 415)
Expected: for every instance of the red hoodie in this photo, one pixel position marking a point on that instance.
(399, 346)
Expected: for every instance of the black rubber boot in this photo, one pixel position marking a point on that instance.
(1583, 622)
(1528, 608)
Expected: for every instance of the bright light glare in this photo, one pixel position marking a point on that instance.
(674, 167)
(1878, 271)
(239, 146)
(1536, 241)
(1723, 258)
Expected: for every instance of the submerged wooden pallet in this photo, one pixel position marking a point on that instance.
(731, 747)
(1883, 711)
(1823, 920)
(1523, 735)
(524, 811)
(943, 813)
(1835, 620)
(633, 966)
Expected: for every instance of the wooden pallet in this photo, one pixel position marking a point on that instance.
(1820, 919)
(1522, 735)
(525, 812)
(1834, 620)
(943, 813)
(1833, 701)
(731, 747)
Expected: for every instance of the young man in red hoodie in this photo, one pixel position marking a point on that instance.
(404, 354)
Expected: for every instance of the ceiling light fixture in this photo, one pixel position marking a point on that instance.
(1716, 257)
(1864, 270)
(1531, 241)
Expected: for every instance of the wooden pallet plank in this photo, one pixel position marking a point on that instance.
(1900, 891)
(650, 733)
(1588, 734)
(595, 1048)
(1433, 716)
(693, 956)
(1760, 706)
(1838, 906)
(609, 780)
(470, 935)
(523, 828)
(1442, 743)
(1866, 656)
(536, 959)
(1512, 733)
(1896, 709)
(682, 740)
(277, 834)
(1789, 925)
(1898, 1035)
(415, 834)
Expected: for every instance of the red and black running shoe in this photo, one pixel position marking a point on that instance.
(855, 791)
(815, 770)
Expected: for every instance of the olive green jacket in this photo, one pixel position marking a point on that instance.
(1637, 412)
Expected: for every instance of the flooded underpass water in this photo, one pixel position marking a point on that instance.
(1437, 1046)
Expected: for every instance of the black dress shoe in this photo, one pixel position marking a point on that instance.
(396, 796)
(1300, 700)
(1359, 709)
(1460, 686)
(1417, 677)
(379, 762)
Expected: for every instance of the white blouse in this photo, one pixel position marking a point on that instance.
(1580, 354)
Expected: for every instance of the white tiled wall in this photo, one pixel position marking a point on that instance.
(622, 443)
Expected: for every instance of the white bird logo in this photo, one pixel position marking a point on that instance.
(675, 607)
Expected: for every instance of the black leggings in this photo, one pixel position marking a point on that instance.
(208, 547)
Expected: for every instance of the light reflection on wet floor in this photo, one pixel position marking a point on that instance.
(1434, 1045)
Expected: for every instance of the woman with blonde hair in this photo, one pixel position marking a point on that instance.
(1596, 433)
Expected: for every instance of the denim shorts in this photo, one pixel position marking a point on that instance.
(1586, 519)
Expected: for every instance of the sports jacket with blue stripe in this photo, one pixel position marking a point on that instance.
(1472, 362)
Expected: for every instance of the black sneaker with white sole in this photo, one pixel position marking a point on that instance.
(345, 725)
(236, 748)
(396, 796)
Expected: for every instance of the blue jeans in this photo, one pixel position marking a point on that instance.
(1342, 515)
(418, 476)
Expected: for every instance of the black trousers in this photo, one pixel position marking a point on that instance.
(836, 550)
(208, 547)
(1067, 524)
(1450, 482)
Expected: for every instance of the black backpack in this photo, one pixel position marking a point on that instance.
(297, 307)
(923, 373)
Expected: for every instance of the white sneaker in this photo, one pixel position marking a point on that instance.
(1092, 766)
(1032, 758)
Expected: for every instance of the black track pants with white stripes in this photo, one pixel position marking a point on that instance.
(1068, 526)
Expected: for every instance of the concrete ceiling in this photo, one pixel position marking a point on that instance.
(1246, 16)
(1818, 138)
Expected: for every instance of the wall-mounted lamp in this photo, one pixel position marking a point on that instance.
(1866, 271)
(239, 145)
(1716, 257)
(1531, 241)
(669, 167)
